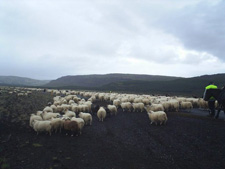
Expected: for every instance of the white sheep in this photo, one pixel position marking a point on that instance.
(137, 100)
(101, 114)
(48, 109)
(34, 117)
(126, 106)
(156, 107)
(166, 105)
(116, 102)
(42, 126)
(138, 106)
(112, 109)
(75, 108)
(186, 105)
(71, 102)
(48, 115)
(174, 105)
(66, 107)
(38, 113)
(56, 124)
(54, 108)
(146, 101)
(87, 117)
(88, 105)
(157, 116)
(59, 108)
(83, 108)
(70, 113)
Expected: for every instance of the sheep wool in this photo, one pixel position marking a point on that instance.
(87, 117)
(157, 116)
(56, 124)
(34, 117)
(101, 114)
(112, 109)
(42, 126)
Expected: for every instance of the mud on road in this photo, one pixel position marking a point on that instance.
(125, 141)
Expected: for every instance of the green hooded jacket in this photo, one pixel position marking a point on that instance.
(211, 86)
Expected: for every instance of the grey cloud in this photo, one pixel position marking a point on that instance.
(200, 27)
(49, 39)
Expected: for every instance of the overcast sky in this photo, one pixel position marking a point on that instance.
(47, 39)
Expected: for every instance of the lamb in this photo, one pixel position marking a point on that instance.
(87, 117)
(34, 117)
(138, 106)
(71, 126)
(47, 116)
(112, 109)
(42, 126)
(56, 124)
(101, 114)
(80, 122)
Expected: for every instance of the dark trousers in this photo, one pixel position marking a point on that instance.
(211, 105)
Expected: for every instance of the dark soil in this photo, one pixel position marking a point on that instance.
(125, 141)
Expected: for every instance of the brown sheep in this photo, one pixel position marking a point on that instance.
(72, 127)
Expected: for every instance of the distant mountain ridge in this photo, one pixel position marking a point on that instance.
(132, 83)
(21, 81)
(140, 83)
(101, 80)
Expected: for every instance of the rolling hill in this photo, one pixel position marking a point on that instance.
(21, 81)
(131, 83)
(93, 81)
(140, 83)
(194, 86)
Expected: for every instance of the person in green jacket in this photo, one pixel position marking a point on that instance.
(211, 102)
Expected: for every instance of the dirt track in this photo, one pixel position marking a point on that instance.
(124, 141)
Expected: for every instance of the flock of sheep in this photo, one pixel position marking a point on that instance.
(72, 110)
(70, 113)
